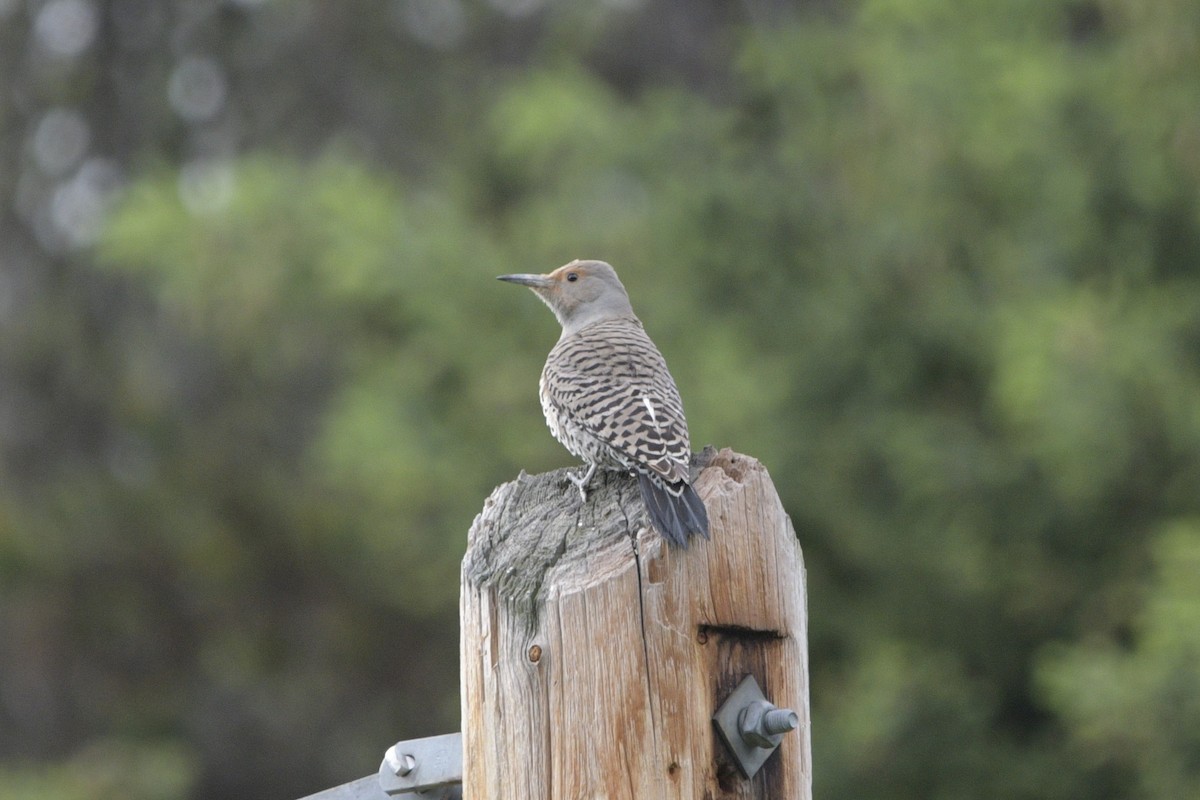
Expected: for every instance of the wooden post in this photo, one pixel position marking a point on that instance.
(594, 657)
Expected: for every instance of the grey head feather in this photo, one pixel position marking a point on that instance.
(579, 293)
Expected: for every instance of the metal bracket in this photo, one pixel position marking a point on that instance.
(751, 727)
(418, 765)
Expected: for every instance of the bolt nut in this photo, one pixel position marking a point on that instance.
(763, 725)
(401, 763)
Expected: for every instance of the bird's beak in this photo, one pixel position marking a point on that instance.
(526, 279)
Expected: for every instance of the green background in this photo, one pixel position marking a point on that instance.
(936, 263)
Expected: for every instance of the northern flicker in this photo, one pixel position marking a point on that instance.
(608, 397)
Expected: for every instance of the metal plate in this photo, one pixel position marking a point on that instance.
(748, 757)
(362, 789)
(436, 761)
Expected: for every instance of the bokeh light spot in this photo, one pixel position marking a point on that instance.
(66, 27)
(60, 140)
(206, 185)
(79, 206)
(197, 89)
(437, 23)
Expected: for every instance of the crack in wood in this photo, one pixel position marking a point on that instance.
(738, 632)
(641, 590)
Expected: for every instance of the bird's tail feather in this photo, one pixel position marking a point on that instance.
(676, 511)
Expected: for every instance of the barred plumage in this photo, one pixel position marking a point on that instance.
(609, 398)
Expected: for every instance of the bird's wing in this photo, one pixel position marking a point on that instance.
(615, 384)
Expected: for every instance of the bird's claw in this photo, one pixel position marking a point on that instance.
(581, 482)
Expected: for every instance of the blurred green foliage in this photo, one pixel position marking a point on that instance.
(104, 769)
(1134, 704)
(934, 263)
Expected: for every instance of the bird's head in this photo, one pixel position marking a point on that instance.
(579, 293)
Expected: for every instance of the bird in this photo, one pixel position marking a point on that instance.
(609, 398)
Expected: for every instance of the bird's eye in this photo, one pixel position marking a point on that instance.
(572, 276)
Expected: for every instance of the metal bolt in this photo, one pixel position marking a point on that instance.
(412, 767)
(763, 725)
(401, 763)
(781, 720)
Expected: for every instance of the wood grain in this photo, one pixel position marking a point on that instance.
(593, 656)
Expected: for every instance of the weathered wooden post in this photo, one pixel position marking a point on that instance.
(594, 657)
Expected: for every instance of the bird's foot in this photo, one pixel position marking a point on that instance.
(581, 482)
